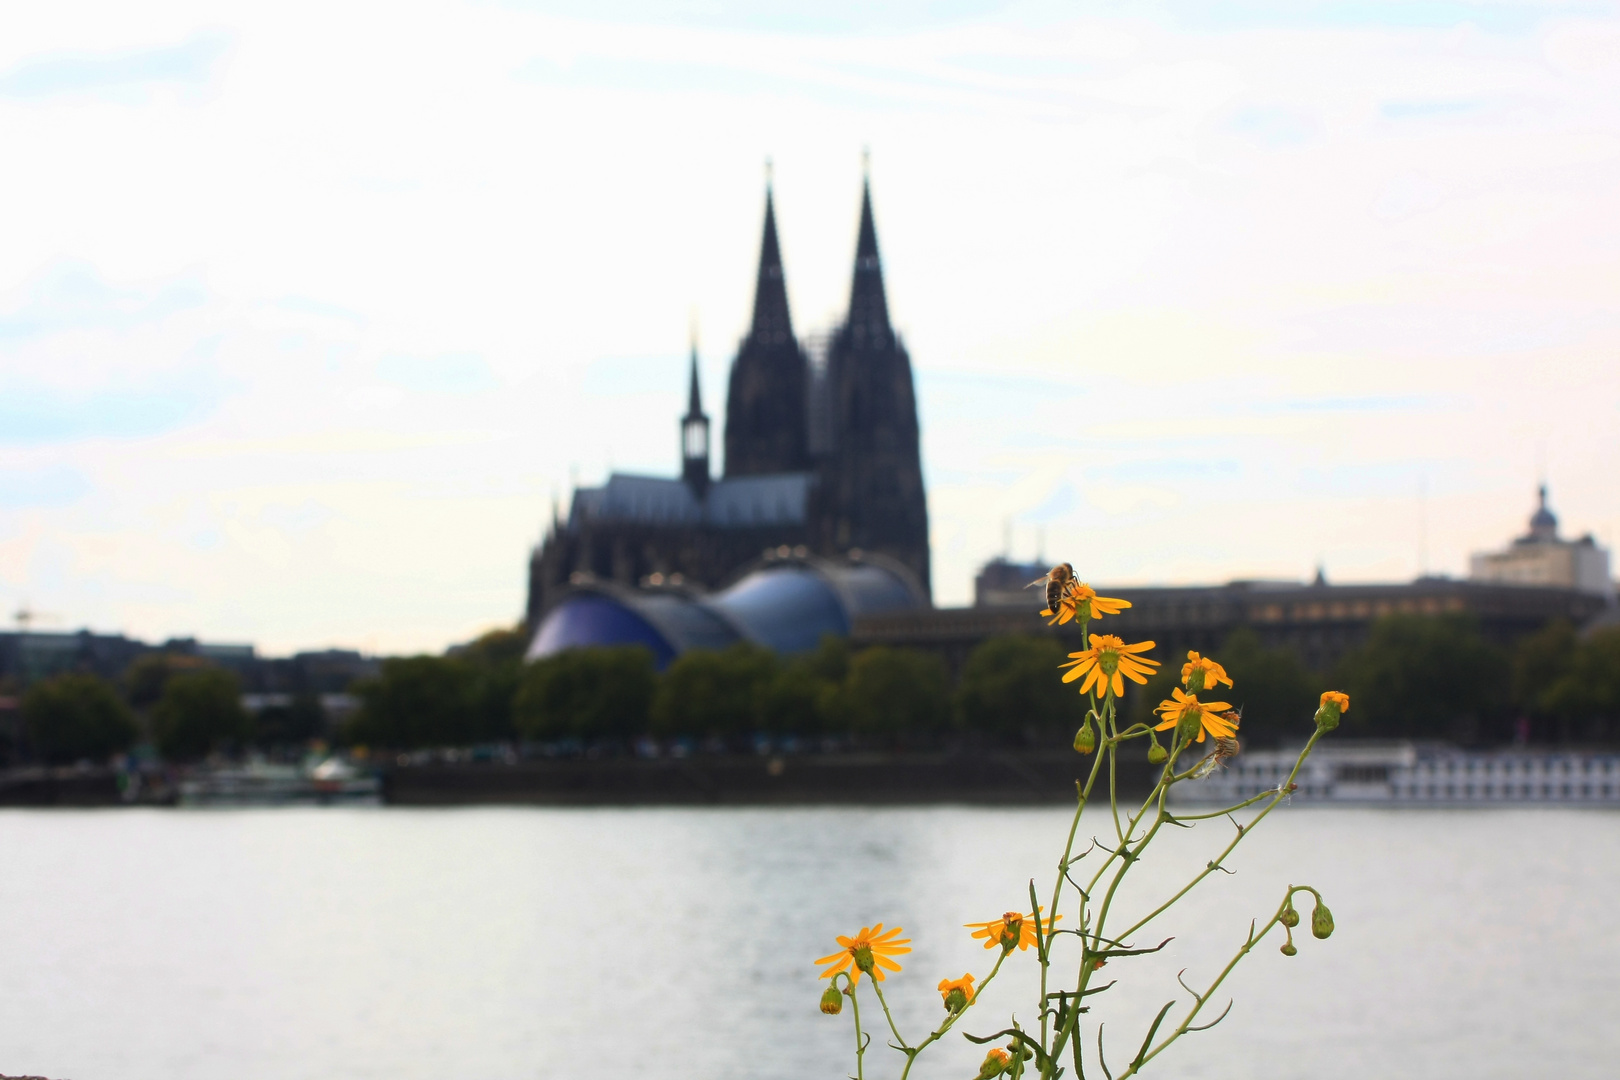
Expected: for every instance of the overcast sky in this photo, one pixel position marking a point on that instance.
(308, 311)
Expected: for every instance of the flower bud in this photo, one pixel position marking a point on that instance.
(1157, 753)
(1333, 705)
(1288, 948)
(1321, 920)
(832, 1001)
(995, 1063)
(1289, 917)
(1085, 740)
(863, 958)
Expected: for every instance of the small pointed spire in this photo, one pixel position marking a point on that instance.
(772, 323)
(868, 300)
(694, 396)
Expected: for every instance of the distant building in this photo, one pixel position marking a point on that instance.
(1000, 583)
(1540, 557)
(1318, 621)
(29, 655)
(822, 461)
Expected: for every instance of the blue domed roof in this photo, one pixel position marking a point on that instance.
(587, 618)
(785, 606)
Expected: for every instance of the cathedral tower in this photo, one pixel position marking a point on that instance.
(872, 488)
(767, 407)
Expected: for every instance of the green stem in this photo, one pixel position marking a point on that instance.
(952, 1018)
(1254, 939)
(1244, 830)
(877, 988)
(1063, 869)
(855, 1004)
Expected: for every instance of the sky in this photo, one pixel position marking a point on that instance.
(309, 312)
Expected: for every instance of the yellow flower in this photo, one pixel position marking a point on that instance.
(961, 989)
(1213, 672)
(867, 951)
(1108, 659)
(1078, 598)
(1185, 705)
(1341, 700)
(1009, 930)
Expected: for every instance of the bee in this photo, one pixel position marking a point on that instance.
(1057, 579)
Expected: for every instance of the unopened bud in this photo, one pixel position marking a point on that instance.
(832, 1001)
(995, 1063)
(1085, 740)
(1333, 705)
(1321, 920)
(1289, 917)
(1157, 753)
(1288, 948)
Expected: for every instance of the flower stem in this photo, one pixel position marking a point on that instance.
(860, 1043)
(877, 988)
(952, 1018)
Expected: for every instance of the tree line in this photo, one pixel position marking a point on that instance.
(1423, 677)
(185, 707)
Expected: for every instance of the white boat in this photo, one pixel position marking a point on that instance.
(1410, 773)
(260, 783)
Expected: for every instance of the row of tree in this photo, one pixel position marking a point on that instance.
(186, 707)
(1415, 677)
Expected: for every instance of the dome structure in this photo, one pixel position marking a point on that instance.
(1543, 523)
(783, 604)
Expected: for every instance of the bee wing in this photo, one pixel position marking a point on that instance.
(1037, 581)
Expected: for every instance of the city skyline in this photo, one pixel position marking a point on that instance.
(311, 316)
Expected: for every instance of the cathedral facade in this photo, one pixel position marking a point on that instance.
(822, 458)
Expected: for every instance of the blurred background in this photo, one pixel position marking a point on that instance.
(589, 404)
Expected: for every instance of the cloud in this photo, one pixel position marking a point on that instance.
(445, 373)
(73, 296)
(113, 74)
(30, 413)
(49, 487)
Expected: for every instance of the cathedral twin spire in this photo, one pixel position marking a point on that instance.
(772, 323)
(768, 407)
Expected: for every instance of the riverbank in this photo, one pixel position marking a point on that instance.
(992, 778)
(997, 778)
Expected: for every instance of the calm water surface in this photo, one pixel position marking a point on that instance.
(494, 943)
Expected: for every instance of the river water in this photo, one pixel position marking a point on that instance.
(523, 943)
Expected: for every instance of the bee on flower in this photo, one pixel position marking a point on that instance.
(1076, 599)
(870, 951)
(1108, 663)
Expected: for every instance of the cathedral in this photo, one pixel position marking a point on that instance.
(821, 459)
